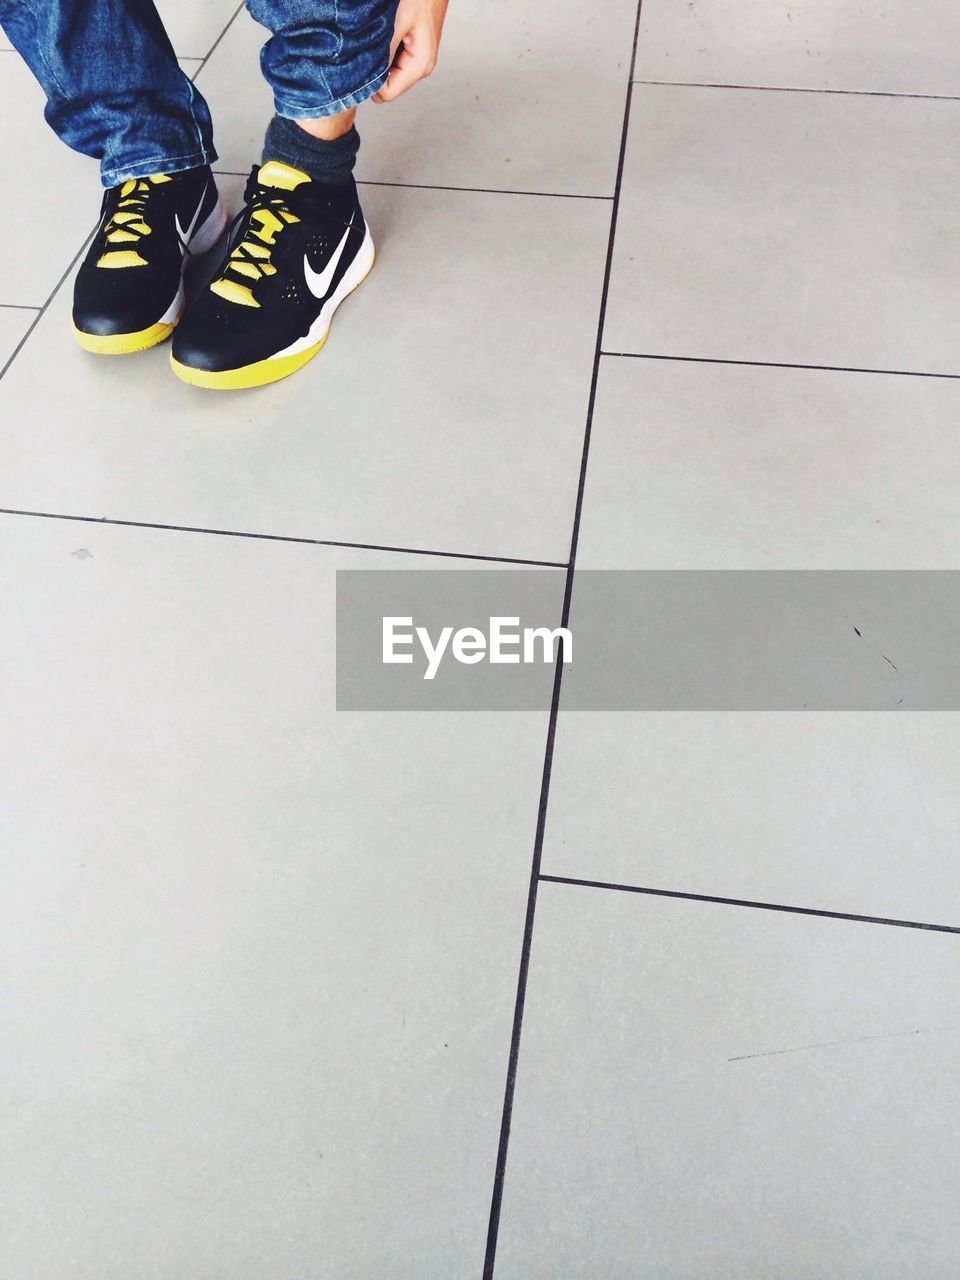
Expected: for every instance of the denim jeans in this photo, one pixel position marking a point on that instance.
(115, 90)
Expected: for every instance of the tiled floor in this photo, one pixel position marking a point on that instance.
(260, 960)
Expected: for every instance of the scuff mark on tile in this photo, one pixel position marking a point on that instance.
(826, 1044)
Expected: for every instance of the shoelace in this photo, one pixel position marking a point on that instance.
(268, 212)
(128, 223)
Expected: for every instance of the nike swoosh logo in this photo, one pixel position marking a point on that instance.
(319, 282)
(185, 235)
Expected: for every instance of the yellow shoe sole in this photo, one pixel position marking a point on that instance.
(257, 374)
(123, 344)
(261, 372)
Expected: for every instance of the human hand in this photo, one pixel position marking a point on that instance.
(416, 35)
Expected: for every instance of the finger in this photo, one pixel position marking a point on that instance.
(412, 64)
(396, 40)
(396, 49)
(399, 75)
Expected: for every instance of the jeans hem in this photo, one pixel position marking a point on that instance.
(157, 164)
(312, 110)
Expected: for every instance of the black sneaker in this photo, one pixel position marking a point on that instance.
(297, 249)
(129, 292)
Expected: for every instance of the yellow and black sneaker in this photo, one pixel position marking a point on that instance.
(297, 249)
(129, 291)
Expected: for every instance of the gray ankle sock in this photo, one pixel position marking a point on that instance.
(327, 162)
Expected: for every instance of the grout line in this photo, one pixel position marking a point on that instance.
(435, 186)
(210, 52)
(280, 537)
(16, 306)
(496, 1204)
(781, 364)
(759, 906)
(777, 88)
(494, 191)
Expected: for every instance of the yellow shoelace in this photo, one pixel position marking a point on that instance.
(250, 258)
(128, 224)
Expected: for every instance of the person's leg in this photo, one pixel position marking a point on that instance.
(324, 56)
(114, 88)
(321, 61)
(302, 244)
(116, 92)
(327, 151)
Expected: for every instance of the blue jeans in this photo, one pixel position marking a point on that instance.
(115, 90)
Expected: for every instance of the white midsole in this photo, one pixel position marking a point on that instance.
(210, 231)
(202, 240)
(356, 271)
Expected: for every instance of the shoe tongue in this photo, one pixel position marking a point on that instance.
(277, 174)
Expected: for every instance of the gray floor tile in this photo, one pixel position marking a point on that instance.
(440, 415)
(259, 956)
(825, 810)
(195, 28)
(505, 108)
(707, 1093)
(14, 323)
(723, 467)
(823, 44)
(61, 188)
(802, 228)
(707, 466)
